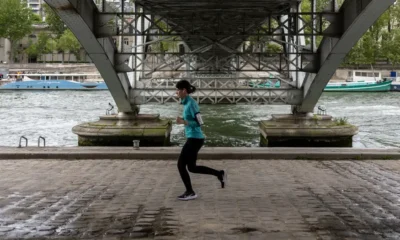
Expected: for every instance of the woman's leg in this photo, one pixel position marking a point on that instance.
(195, 147)
(182, 162)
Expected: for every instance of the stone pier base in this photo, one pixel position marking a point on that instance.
(122, 129)
(306, 131)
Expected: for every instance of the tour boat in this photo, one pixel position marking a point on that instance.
(21, 81)
(361, 81)
(360, 86)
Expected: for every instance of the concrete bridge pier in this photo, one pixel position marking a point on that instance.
(302, 128)
(306, 130)
(123, 128)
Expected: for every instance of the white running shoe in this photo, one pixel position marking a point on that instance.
(187, 196)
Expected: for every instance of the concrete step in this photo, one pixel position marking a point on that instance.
(207, 153)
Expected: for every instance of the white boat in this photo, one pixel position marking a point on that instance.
(21, 81)
(364, 76)
(361, 81)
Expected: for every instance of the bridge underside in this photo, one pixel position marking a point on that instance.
(253, 51)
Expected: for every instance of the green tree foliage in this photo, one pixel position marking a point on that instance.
(64, 40)
(36, 18)
(380, 42)
(56, 25)
(15, 22)
(31, 50)
(42, 43)
(51, 47)
(391, 46)
(69, 43)
(45, 44)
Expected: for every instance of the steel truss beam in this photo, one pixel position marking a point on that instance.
(263, 24)
(156, 62)
(221, 90)
(195, 27)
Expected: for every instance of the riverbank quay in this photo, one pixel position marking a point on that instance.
(206, 153)
(137, 199)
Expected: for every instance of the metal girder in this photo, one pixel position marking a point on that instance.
(208, 29)
(222, 90)
(195, 27)
(80, 16)
(355, 19)
(259, 61)
(214, 34)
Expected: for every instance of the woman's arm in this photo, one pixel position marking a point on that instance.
(195, 114)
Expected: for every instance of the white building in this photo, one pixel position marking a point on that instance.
(4, 50)
(36, 6)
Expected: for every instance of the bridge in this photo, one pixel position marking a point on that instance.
(255, 51)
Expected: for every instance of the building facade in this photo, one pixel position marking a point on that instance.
(5, 48)
(36, 6)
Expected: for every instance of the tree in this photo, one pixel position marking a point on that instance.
(36, 18)
(43, 40)
(31, 50)
(15, 22)
(391, 46)
(56, 25)
(68, 42)
(51, 47)
(380, 41)
(44, 45)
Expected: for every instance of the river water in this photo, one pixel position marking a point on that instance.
(53, 114)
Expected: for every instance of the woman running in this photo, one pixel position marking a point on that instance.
(195, 140)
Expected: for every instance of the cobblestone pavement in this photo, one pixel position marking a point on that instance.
(101, 199)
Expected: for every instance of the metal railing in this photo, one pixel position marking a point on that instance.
(20, 140)
(44, 141)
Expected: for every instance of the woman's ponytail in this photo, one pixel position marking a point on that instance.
(184, 84)
(192, 89)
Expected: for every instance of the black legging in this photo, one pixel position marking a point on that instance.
(189, 157)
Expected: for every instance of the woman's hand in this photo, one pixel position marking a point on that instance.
(180, 120)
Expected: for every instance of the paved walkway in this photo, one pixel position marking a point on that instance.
(122, 199)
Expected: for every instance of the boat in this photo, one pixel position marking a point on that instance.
(395, 87)
(364, 76)
(359, 86)
(21, 81)
(361, 81)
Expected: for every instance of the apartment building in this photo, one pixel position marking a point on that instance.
(36, 6)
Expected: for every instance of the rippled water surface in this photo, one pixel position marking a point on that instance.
(53, 114)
